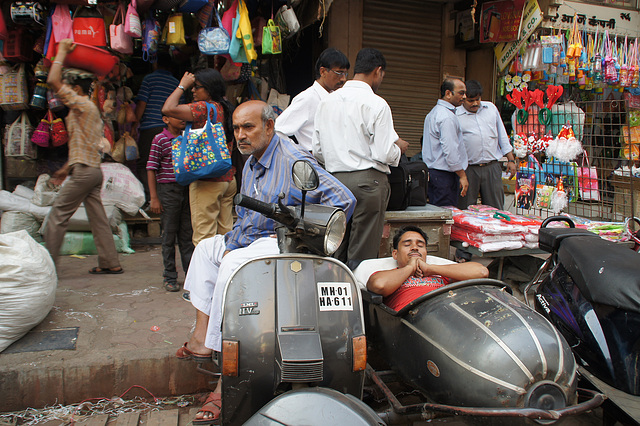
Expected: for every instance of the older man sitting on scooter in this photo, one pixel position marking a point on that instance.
(414, 276)
(266, 174)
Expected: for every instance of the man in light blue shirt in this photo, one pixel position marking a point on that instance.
(486, 141)
(443, 150)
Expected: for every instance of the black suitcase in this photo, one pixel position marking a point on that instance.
(408, 184)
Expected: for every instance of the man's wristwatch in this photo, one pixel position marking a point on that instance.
(182, 87)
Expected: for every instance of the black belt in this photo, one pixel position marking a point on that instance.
(485, 164)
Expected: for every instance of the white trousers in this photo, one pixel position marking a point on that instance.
(208, 275)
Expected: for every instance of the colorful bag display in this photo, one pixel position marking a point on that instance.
(13, 89)
(132, 24)
(241, 48)
(173, 32)
(42, 134)
(201, 153)
(119, 40)
(588, 180)
(28, 13)
(150, 39)
(271, 39)
(17, 142)
(214, 40)
(88, 27)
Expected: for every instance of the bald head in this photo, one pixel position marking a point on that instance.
(253, 126)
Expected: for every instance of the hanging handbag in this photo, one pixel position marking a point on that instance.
(271, 39)
(17, 141)
(42, 133)
(62, 24)
(130, 147)
(192, 6)
(588, 180)
(3, 28)
(120, 41)
(132, 24)
(287, 21)
(118, 151)
(18, 46)
(150, 39)
(214, 40)
(28, 13)
(39, 97)
(201, 153)
(13, 89)
(173, 32)
(88, 27)
(54, 103)
(59, 134)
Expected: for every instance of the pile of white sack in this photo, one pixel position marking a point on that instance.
(27, 209)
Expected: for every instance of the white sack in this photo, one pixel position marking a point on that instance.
(80, 221)
(44, 192)
(17, 221)
(12, 202)
(28, 284)
(24, 192)
(121, 188)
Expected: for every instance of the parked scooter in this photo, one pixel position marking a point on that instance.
(294, 349)
(589, 288)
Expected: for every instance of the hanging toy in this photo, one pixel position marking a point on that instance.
(520, 145)
(634, 73)
(559, 199)
(565, 147)
(624, 69)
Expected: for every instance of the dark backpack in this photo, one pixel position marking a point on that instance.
(408, 184)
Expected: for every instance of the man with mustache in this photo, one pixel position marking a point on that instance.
(414, 276)
(266, 174)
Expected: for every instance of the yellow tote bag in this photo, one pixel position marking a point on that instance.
(244, 31)
(173, 32)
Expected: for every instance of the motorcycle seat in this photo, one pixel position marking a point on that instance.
(549, 239)
(605, 272)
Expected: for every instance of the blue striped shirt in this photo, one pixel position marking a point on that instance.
(264, 179)
(155, 89)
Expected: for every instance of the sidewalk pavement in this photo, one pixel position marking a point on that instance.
(128, 330)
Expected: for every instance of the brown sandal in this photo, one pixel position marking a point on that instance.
(185, 353)
(214, 400)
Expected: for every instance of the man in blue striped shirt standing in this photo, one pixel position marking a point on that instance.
(266, 174)
(155, 89)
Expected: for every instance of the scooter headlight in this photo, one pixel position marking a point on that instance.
(336, 227)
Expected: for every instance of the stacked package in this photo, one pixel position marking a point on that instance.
(489, 229)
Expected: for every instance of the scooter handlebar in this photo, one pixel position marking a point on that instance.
(267, 209)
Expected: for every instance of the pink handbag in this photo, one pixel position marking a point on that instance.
(132, 25)
(588, 180)
(62, 24)
(120, 41)
(42, 133)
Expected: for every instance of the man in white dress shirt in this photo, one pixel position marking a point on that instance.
(296, 122)
(486, 141)
(355, 140)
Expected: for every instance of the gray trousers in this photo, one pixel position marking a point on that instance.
(176, 224)
(485, 181)
(83, 186)
(364, 231)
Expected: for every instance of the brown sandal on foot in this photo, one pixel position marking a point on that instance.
(212, 405)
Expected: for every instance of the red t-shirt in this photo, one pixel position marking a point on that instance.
(413, 288)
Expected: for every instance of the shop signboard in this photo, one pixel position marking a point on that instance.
(500, 21)
(531, 19)
(591, 17)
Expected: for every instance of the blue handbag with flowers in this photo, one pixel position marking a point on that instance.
(201, 153)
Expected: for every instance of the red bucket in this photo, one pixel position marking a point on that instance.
(90, 58)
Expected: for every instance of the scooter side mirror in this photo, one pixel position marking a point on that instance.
(305, 177)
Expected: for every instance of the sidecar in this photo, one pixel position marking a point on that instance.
(472, 345)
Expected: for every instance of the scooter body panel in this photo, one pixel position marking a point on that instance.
(478, 346)
(294, 318)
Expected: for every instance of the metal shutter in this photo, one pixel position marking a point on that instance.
(408, 33)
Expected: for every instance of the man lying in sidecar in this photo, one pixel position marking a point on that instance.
(414, 276)
(266, 175)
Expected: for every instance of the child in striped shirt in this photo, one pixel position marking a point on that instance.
(171, 201)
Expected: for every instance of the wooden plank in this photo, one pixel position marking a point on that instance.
(163, 418)
(128, 419)
(99, 420)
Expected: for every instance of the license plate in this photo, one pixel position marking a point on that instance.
(335, 297)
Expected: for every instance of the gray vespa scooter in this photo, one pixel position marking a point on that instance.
(294, 320)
